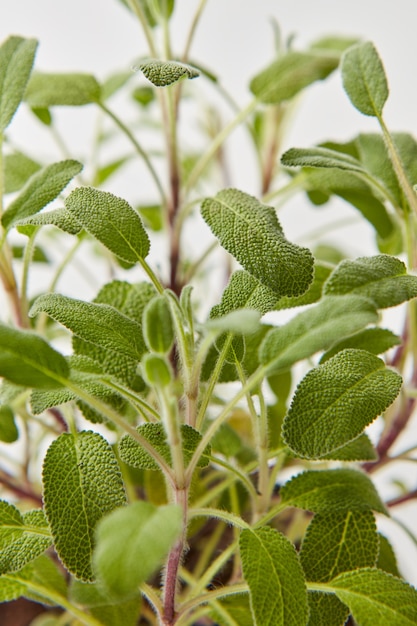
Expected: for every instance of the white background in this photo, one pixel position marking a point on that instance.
(235, 39)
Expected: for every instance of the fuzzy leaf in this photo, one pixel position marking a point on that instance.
(335, 401)
(111, 220)
(364, 78)
(272, 570)
(164, 73)
(244, 291)
(61, 218)
(132, 453)
(331, 491)
(316, 329)
(251, 232)
(360, 449)
(82, 482)
(46, 90)
(18, 168)
(375, 597)
(22, 537)
(326, 610)
(26, 359)
(374, 340)
(156, 370)
(158, 329)
(321, 157)
(339, 542)
(381, 278)
(131, 544)
(8, 428)
(291, 73)
(16, 60)
(387, 561)
(313, 293)
(40, 190)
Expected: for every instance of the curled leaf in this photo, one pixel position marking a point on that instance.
(164, 73)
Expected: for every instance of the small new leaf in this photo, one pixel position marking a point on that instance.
(277, 589)
(251, 232)
(164, 73)
(16, 60)
(46, 90)
(158, 329)
(321, 157)
(364, 79)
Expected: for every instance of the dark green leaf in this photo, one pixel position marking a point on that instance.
(360, 449)
(164, 73)
(8, 428)
(244, 291)
(16, 60)
(330, 491)
(387, 561)
(47, 90)
(335, 401)
(18, 168)
(82, 482)
(374, 340)
(314, 292)
(251, 232)
(364, 78)
(326, 610)
(43, 114)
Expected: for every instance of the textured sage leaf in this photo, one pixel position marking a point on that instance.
(244, 291)
(291, 73)
(240, 321)
(8, 428)
(331, 491)
(22, 537)
(339, 542)
(61, 218)
(314, 292)
(271, 567)
(326, 610)
(131, 544)
(18, 167)
(321, 157)
(251, 232)
(364, 78)
(375, 597)
(40, 580)
(81, 482)
(47, 90)
(164, 73)
(236, 606)
(16, 60)
(26, 359)
(381, 278)
(156, 370)
(335, 401)
(360, 449)
(374, 340)
(94, 599)
(132, 453)
(40, 190)
(387, 561)
(315, 329)
(111, 220)
(158, 329)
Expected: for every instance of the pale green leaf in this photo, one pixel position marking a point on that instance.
(315, 329)
(93, 598)
(111, 220)
(22, 537)
(8, 428)
(364, 78)
(326, 610)
(18, 168)
(251, 232)
(158, 328)
(291, 73)
(61, 218)
(113, 83)
(360, 449)
(46, 90)
(321, 157)
(335, 401)
(132, 453)
(156, 370)
(16, 60)
(374, 340)
(82, 482)
(164, 73)
(40, 190)
(40, 580)
(240, 321)
(26, 359)
(131, 544)
(339, 542)
(330, 491)
(272, 570)
(375, 597)
(381, 278)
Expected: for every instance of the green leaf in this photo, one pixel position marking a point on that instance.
(158, 328)
(40, 580)
(18, 168)
(272, 570)
(132, 453)
(381, 278)
(26, 359)
(364, 78)
(40, 190)
(331, 491)
(131, 544)
(291, 73)
(240, 321)
(316, 329)
(321, 157)
(111, 220)
(387, 561)
(360, 449)
(22, 537)
(162, 8)
(335, 401)
(43, 115)
(374, 340)
(16, 60)
(113, 83)
(314, 292)
(47, 90)
(339, 542)
(8, 428)
(244, 291)
(61, 218)
(375, 597)
(326, 610)
(94, 599)
(251, 232)
(164, 73)
(156, 371)
(82, 482)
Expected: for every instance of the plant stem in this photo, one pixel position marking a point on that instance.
(136, 7)
(193, 27)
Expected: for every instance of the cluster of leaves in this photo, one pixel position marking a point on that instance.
(184, 463)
